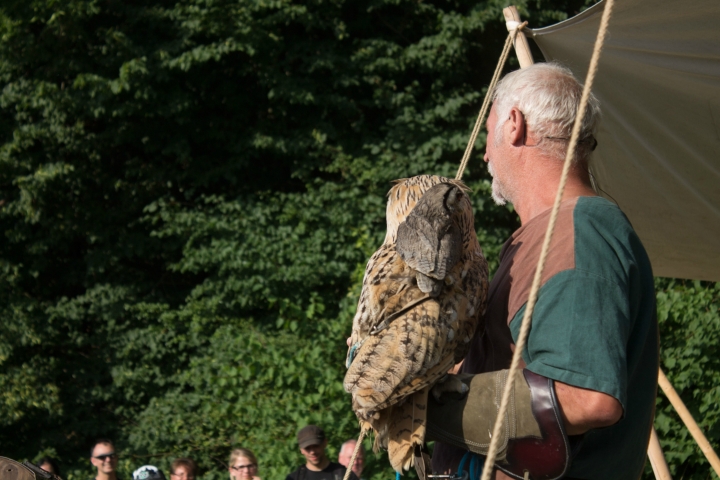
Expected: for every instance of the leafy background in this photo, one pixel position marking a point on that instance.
(189, 191)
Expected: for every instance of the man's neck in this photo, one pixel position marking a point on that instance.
(538, 195)
(320, 467)
(106, 476)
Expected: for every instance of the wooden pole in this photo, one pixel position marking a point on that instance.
(657, 459)
(689, 421)
(522, 47)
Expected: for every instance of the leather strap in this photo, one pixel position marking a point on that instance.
(546, 458)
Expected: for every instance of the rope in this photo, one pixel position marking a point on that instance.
(358, 445)
(525, 328)
(488, 98)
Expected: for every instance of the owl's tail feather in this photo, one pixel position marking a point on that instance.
(406, 430)
(379, 425)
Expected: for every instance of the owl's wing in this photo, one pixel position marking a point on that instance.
(399, 356)
(381, 265)
(429, 240)
(418, 243)
(450, 250)
(387, 290)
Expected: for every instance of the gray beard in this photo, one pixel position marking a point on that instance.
(498, 195)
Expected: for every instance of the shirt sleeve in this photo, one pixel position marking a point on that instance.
(579, 333)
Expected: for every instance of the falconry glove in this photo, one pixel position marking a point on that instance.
(533, 437)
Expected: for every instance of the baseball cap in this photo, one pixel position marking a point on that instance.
(148, 472)
(310, 435)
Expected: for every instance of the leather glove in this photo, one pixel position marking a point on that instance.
(533, 436)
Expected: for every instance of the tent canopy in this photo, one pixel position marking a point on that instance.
(658, 154)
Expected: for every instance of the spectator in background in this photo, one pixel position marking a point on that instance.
(148, 472)
(183, 469)
(243, 465)
(346, 452)
(312, 443)
(49, 464)
(104, 458)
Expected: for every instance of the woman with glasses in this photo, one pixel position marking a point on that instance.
(243, 465)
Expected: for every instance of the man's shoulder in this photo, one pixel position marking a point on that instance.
(598, 207)
(341, 469)
(295, 474)
(334, 471)
(604, 234)
(600, 215)
(334, 467)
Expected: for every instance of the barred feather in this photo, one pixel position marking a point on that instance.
(403, 339)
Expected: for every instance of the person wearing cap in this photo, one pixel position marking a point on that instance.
(312, 443)
(104, 458)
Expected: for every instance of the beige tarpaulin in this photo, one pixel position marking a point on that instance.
(658, 154)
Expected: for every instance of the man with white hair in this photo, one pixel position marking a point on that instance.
(345, 455)
(583, 403)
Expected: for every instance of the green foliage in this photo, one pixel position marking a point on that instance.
(689, 317)
(189, 192)
(181, 177)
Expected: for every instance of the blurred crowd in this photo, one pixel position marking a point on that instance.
(242, 463)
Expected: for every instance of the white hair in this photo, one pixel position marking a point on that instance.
(548, 95)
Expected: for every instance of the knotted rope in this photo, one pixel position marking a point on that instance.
(525, 328)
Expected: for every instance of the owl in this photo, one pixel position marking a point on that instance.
(423, 292)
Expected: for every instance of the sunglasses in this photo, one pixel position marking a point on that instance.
(106, 456)
(243, 467)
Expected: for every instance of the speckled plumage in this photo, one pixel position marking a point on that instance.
(404, 339)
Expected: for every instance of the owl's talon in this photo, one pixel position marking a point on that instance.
(449, 383)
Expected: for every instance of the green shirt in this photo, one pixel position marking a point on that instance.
(594, 326)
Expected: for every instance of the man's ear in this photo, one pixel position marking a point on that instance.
(516, 126)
